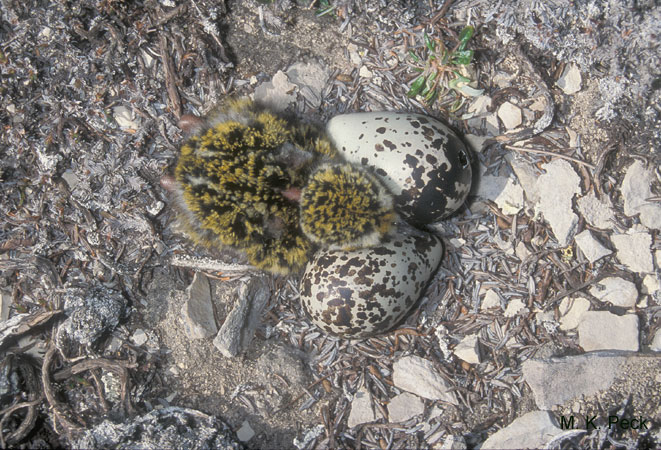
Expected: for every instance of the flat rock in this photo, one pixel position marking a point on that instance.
(126, 118)
(571, 310)
(634, 251)
(510, 115)
(521, 251)
(651, 284)
(590, 246)
(636, 189)
(361, 409)
(533, 430)
(504, 191)
(453, 442)
(596, 212)
(602, 330)
(245, 432)
(655, 345)
(277, 93)
(515, 306)
(310, 78)
(404, 406)
(480, 105)
(237, 331)
(570, 80)
(491, 300)
(617, 291)
(468, 349)
(170, 427)
(418, 376)
(561, 381)
(527, 174)
(197, 312)
(556, 189)
(5, 304)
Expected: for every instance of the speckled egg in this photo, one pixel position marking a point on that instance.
(422, 161)
(359, 293)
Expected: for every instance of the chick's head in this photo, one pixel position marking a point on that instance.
(344, 207)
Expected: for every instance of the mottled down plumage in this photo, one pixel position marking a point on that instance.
(274, 189)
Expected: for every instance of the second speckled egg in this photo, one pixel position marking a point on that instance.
(422, 161)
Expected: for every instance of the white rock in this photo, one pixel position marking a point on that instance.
(596, 212)
(361, 409)
(245, 433)
(310, 79)
(453, 442)
(510, 115)
(45, 33)
(591, 247)
(404, 406)
(277, 93)
(527, 175)
(364, 72)
(556, 189)
(475, 142)
(504, 245)
(491, 300)
(651, 284)
(197, 312)
(504, 191)
(418, 376)
(126, 118)
(468, 349)
(5, 305)
(573, 137)
(571, 310)
(480, 105)
(457, 242)
(533, 430)
(634, 251)
(491, 124)
(570, 80)
(515, 306)
(655, 345)
(354, 56)
(139, 337)
(616, 290)
(521, 251)
(636, 189)
(601, 330)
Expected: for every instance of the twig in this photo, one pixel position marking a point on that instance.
(60, 414)
(208, 264)
(168, 68)
(545, 152)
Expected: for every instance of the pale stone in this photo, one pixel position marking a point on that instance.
(468, 349)
(527, 175)
(596, 212)
(404, 406)
(70, 178)
(453, 442)
(616, 290)
(601, 330)
(475, 142)
(139, 337)
(510, 115)
(571, 310)
(5, 305)
(491, 124)
(636, 189)
(277, 93)
(418, 376)
(126, 118)
(556, 188)
(354, 56)
(504, 191)
(533, 430)
(573, 137)
(634, 251)
(245, 433)
(655, 345)
(364, 72)
(480, 105)
(311, 79)
(361, 409)
(570, 80)
(522, 251)
(197, 312)
(515, 306)
(591, 247)
(651, 284)
(491, 300)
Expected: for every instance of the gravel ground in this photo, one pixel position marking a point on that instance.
(91, 96)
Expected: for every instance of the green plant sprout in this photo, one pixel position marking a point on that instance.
(444, 70)
(325, 8)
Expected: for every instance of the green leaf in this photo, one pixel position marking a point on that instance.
(460, 79)
(470, 91)
(431, 45)
(464, 37)
(462, 57)
(431, 96)
(416, 86)
(414, 56)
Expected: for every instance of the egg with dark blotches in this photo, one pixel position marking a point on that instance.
(420, 160)
(359, 293)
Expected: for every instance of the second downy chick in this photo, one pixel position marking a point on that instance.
(274, 189)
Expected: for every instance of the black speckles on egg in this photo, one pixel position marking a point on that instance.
(363, 292)
(426, 190)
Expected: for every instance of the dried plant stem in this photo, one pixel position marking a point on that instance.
(545, 152)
